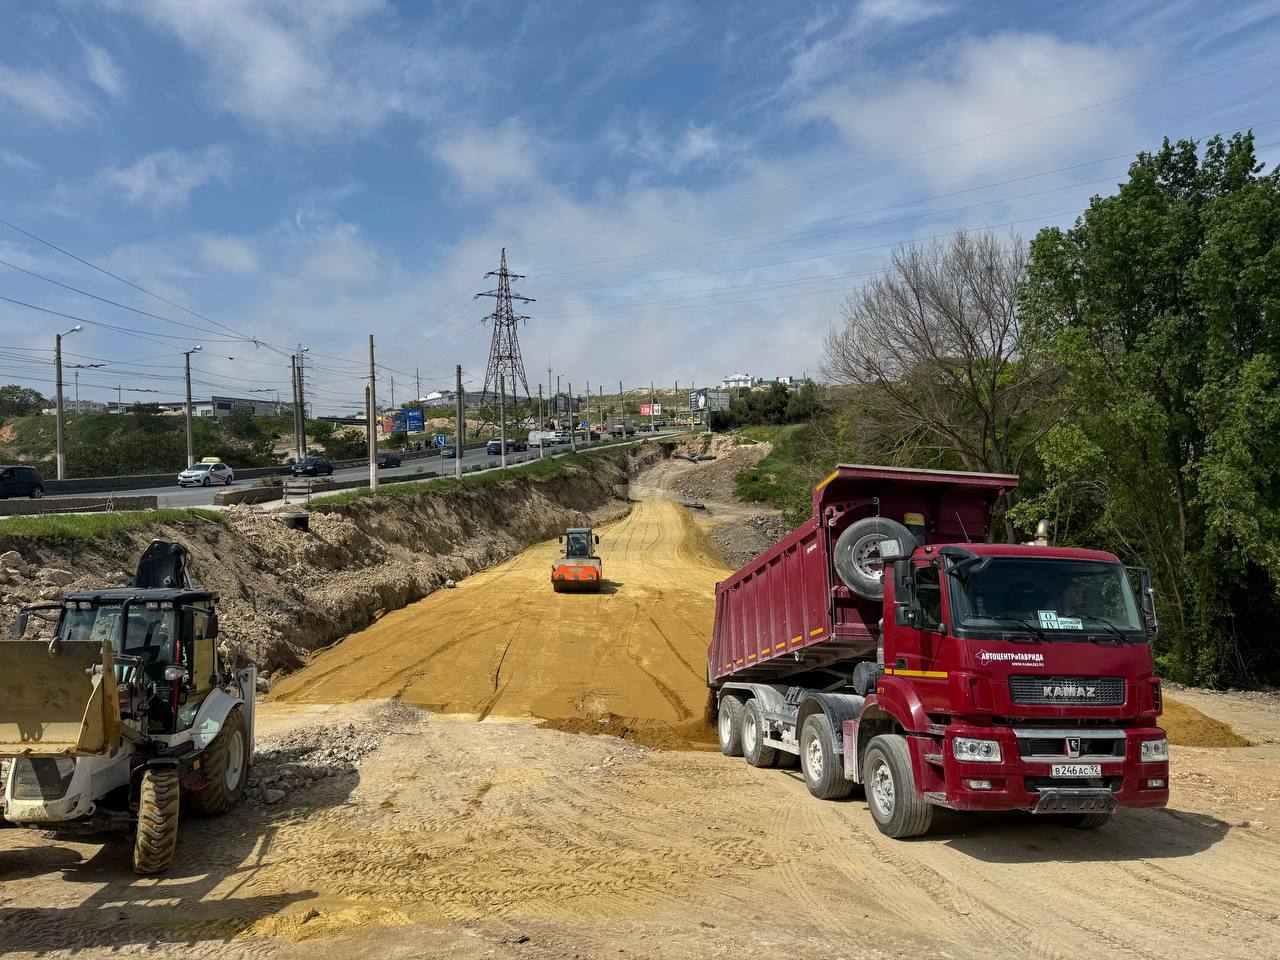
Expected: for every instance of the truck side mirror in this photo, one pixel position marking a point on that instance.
(20, 624)
(1149, 618)
(559, 539)
(597, 539)
(904, 593)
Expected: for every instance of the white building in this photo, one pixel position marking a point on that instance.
(78, 406)
(735, 380)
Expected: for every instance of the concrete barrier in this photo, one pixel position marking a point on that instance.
(26, 508)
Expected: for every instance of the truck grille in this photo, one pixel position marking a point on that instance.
(42, 778)
(1036, 784)
(1056, 747)
(1103, 691)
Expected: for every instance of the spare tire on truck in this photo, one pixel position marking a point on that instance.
(857, 554)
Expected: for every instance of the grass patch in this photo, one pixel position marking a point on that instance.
(66, 527)
(786, 477)
(749, 435)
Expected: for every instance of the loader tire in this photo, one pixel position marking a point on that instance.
(156, 837)
(226, 765)
(754, 749)
(729, 726)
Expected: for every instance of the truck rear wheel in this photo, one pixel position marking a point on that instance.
(156, 838)
(729, 726)
(896, 808)
(754, 749)
(820, 760)
(226, 764)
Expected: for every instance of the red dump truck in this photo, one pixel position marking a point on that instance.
(886, 643)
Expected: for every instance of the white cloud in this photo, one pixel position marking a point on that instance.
(42, 96)
(17, 162)
(102, 70)
(484, 162)
(673, 152)
(977, 86)
(228, 254)
(164, 180)
(314, 68)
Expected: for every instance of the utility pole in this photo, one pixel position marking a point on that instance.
(57, 362)
(417, 381)
(302, 400)
(542, 423)
(373, 412)
(573, 421)
(549, 399)
(460, 429)
(191, 454)
(297, 432)
(502, 423)
(622, 404)
(651, 406)
(505, 360)
(119, 399)
(392, 378)
(588, 411)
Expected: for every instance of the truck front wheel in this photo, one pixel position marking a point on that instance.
(729, 726)
(226, 763)
(820, 760)
(896, 808)
(754, 749)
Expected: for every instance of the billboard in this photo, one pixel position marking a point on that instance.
(647, 409)
(409, 419)
(700, 400)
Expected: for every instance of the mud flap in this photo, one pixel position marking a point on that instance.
(58, 698)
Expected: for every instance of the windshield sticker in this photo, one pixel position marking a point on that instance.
(1050, 620)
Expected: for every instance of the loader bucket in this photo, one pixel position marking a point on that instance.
(58, 699)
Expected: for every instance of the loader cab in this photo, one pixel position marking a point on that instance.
(163, 642)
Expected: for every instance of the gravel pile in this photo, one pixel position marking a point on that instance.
(301, 757)
(749, 536)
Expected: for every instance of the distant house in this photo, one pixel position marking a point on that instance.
(738, 380)
(78, 406)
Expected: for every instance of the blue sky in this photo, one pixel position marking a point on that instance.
(692, 188)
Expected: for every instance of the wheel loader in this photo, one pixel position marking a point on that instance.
(579, 568)
(131, 711)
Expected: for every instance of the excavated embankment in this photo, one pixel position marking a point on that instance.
(287, 593)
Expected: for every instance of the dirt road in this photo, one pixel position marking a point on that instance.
(508, 839)
(504, 644)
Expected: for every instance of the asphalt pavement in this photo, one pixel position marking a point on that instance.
(176, 496)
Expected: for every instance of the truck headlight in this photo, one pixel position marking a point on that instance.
(1154, 750)
(965, 748)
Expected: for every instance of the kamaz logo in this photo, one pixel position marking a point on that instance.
(1069, 691)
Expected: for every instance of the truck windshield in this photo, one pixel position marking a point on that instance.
(1049, 595)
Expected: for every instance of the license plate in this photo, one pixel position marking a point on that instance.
(1076, 770)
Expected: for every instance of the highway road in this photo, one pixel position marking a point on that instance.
(176, 496)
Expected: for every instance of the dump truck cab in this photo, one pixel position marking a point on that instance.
(579, 568)
(129, 702)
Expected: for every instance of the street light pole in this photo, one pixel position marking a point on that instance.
(57, 362)
(191, 454)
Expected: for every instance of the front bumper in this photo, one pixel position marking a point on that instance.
(1023, 778)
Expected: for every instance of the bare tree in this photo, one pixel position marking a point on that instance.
(937, 358)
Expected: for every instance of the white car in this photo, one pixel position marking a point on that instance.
(205, 473)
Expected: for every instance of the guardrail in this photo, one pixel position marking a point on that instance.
(27, 508)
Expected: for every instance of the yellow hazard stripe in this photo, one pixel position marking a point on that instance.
(814, 633)
(834, 474)
(751, 656)
(764, 652)
(927, 674)
(797, 639)
(738, 662)
(780, 646)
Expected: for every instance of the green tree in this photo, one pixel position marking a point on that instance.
(16, 401)
(1162, 305)
(241, 424)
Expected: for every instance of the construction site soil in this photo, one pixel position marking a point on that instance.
(423, 789)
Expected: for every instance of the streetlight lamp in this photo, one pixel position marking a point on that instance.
(57, 362)
(191, 456)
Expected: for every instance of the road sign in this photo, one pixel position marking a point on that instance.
(441, 439)
(410, 419)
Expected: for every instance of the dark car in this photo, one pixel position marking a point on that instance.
(449, 450)
(312, 467)
(21, 482)
(388, 460)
